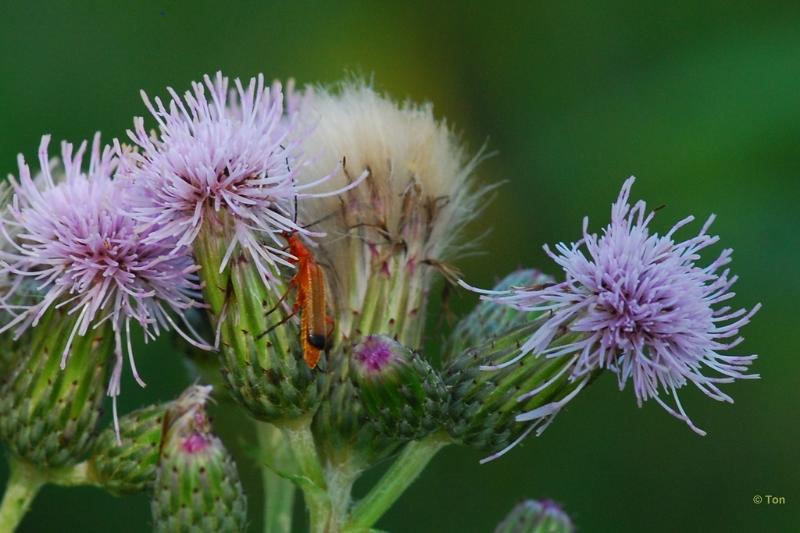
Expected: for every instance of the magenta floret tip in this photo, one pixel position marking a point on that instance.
(374, 353)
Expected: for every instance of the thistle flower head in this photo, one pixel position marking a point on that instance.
(641, 307)
(219, 153)
(408, 155)
(405, 221)
(69, 238)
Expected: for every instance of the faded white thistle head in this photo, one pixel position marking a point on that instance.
(637, 304)
(404, 222)
(220, 152)
(69, 243)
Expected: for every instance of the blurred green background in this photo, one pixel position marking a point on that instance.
(702, 103)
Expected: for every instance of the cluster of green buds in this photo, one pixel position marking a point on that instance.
(49, 414)
(49, 419)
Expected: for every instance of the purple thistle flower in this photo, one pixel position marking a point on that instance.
(235, 151)
(71, 239)
(639, 306)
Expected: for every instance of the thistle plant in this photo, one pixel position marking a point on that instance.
(290, 240)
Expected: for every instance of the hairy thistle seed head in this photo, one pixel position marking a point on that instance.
(197, 487)
(48, 415)
(128, 465)
(388, 237)
(531, 516)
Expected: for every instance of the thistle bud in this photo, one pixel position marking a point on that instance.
(129, 465)
(342, 425)
(497, 396)
(531, 516)
(48, 415)
(197, 487)
(404, 397)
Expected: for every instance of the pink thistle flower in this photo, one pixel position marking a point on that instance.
(640, 307)
(70, 239)
(235, 151)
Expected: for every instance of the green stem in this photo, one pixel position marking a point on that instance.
(411, 462)
(340, 478)
(24, 483)
(278, 491)
(72, 476)
(312, 480)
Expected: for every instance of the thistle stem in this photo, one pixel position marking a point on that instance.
(24, 483)
(278, 491)
(340, 481)
(411, 462)
(312, 480)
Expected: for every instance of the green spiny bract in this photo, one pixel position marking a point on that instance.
(531, 516)
(261, 361)
(404, 397)
(8, 353)
(48, 416)
(129, 466)
(488, 320)
(197, 488)
(487, 388)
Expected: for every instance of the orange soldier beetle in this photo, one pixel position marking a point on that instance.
(309, 282)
